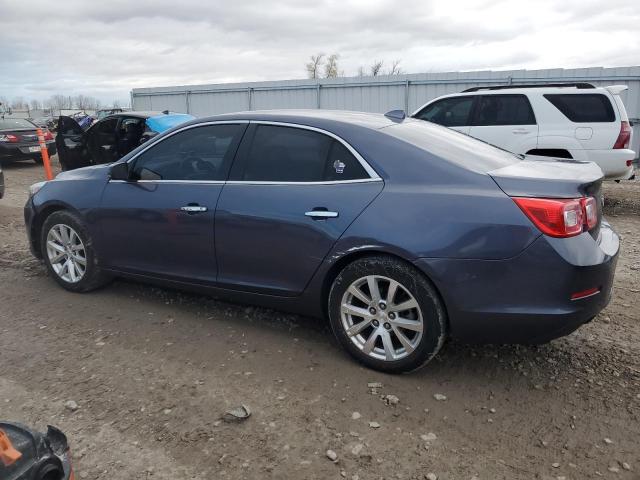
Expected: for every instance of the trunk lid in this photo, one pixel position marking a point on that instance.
(542, 177)
(28, 137)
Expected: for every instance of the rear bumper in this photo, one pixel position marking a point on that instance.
(527, 299)
(20, 151)
(612, 162)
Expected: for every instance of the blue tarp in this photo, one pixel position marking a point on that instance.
(163, 122)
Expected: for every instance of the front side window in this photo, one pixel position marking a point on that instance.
(583, 108)
(199, 154)
(496, 110)
(449, 112)
(289, 154)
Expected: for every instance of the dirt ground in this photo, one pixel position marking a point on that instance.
(153, 370)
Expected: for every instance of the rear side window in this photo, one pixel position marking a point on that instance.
(583, 108)
(199, 154)
(504, 110)
(449, 112)
(289, 154)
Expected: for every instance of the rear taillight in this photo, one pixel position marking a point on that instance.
(560, 217)
(624, 137)
(8, 138)
(590, 209)
(629, 163)
(48, 135)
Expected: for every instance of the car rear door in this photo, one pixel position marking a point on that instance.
(161, 222)
(71, 144)
(102, 140)
(506, 121)
(452, 112)
(292, 192)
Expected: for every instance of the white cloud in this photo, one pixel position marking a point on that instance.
(107, 48)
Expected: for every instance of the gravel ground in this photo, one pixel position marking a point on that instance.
(152, 372)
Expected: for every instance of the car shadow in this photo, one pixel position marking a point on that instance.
(456, 362)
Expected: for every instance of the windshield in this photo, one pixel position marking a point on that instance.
(15, 124)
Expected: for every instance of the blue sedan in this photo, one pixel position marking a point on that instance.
(401, 232)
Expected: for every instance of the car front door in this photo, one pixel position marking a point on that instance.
(452, 112)
(71, 144)
(506, 121)
(292, 192)
(161, 221)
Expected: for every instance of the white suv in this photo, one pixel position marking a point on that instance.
(576, 121)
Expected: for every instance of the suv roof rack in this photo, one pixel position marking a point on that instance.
(535, 85)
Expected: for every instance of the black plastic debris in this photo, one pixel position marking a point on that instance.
(29, 455)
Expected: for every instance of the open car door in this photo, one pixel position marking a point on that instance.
(71, 143)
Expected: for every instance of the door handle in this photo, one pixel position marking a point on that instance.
(521, 131)
(193, 208)
(321, 214)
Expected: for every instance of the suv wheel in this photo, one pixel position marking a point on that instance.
(387, 314)
(68, 253)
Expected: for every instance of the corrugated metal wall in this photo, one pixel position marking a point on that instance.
(371, 94)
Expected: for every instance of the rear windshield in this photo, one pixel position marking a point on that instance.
(452, 146)
(15, 124)
(583, 108)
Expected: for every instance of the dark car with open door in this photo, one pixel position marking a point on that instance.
(19, 140)
(110, 138)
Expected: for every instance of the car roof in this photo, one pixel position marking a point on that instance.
(313, 118)
(136, 114)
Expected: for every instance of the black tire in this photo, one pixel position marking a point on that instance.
(38, 160)
(93, 276)
(415, 284)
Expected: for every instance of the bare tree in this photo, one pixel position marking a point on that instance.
(376, 68)
(313, 67)
(395, 68)
(59, 102)
(35, 104)
(331, 67)
(81, 102)
(116, 104)
(18, 103)
(361, 72)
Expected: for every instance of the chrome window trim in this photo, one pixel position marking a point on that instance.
(373, 175)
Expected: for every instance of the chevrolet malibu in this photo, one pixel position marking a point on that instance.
(401, 232)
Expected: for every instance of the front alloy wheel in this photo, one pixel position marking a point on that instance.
(66, 253)
(387, 314)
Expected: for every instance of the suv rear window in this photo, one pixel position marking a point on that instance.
(583, 107)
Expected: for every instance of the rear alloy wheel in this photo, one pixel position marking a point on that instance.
(387, 314)
(68, 253)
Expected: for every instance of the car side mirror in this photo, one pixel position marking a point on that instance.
(120, 171)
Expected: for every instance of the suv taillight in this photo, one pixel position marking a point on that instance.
(624, 137)
(560, 218)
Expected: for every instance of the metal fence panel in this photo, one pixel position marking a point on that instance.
(372, 94)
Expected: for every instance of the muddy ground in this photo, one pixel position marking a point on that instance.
(152, 371)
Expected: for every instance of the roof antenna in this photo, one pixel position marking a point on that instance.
(396, 115)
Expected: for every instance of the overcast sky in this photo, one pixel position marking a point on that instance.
(105, 48)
